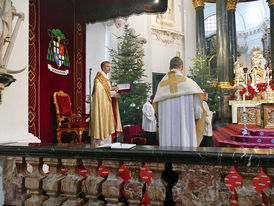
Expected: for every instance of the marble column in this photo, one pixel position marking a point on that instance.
(200, 26)
(222, 62)
(232, 35)
(271, 7)
(222, 44)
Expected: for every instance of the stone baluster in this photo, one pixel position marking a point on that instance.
(224, 195)
(52, 183)
(194, 184)
(247, 195)
(14, 180)
(134, 188)
(71, 184)
(178, 189)
(92, 185)
(33, 181)
(113, 186)
(269, 192)
(156, 190)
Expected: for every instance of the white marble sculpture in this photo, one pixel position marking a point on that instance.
(7, 40)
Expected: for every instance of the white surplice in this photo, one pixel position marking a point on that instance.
(208, 120)
(149, 119)
(177, 118)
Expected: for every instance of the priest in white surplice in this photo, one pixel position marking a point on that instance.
(178, 103)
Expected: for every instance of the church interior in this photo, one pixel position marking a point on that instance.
(50, 54)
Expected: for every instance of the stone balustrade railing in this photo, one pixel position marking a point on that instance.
(185, 176)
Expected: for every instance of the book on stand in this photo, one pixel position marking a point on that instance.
(123, 87)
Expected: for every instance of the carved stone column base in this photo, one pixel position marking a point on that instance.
(90, 187)
(113, 202)
(33, 201)
(76, 202)
(54, 201)
(97, 203)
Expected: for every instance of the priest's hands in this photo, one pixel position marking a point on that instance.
(114, 88)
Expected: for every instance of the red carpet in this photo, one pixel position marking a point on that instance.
(231, 136)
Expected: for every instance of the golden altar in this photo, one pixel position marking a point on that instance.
(254, 92)
(260, 113)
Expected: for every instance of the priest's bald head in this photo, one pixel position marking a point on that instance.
(176, 63)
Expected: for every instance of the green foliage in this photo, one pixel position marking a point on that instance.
(127, 67)
(200, 73)
(57, 32)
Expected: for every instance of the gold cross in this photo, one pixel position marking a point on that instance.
(172, 81)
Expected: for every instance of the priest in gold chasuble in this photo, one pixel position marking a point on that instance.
(178, 103)
(105, 116)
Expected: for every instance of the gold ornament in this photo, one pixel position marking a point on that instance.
(224, 85)
(231, 4)
(198, 3)
(270, 2)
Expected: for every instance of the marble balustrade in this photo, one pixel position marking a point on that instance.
(204, 176)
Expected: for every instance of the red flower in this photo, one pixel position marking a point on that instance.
(231, 84)
(262, 97)
(232, 96)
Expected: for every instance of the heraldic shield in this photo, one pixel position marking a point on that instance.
(59, 54)
(57, 50)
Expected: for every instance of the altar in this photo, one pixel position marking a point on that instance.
(260, 113)
(253, 92)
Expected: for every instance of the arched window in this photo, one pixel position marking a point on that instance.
(210, 24)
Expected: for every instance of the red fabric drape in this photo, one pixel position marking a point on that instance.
(45, 16)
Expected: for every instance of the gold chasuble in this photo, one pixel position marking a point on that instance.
(105, 116)
(175, 84)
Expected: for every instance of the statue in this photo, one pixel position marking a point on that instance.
(238, 72)
(7, 40)
(258, 74)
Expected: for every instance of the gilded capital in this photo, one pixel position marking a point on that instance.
(198, 3)
(231, 4)
(224, 85)
(270, 2)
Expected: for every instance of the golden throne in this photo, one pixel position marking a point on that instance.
(68, 122)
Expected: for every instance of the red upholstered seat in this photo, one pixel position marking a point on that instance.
(64, 105)
(67, 121)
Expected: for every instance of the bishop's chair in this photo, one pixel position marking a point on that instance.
(68, 122)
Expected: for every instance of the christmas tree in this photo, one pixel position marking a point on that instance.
(127, 67)
(200, 73)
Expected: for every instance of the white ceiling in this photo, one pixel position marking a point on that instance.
(249, 15)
